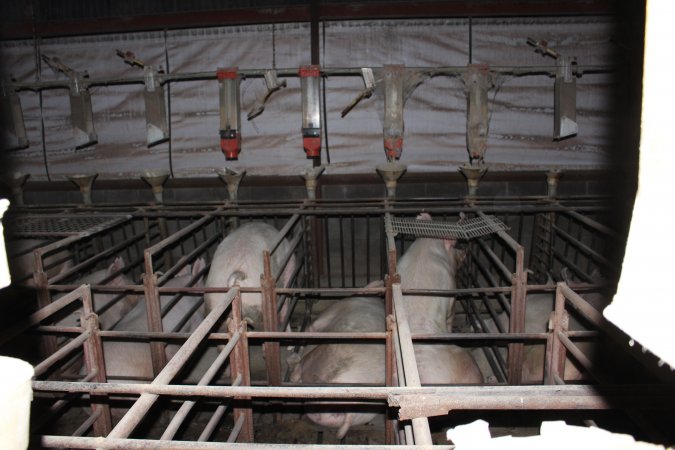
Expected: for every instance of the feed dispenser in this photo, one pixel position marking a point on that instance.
(230, 124)
(311, 110)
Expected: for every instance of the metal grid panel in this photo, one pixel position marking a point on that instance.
(57, 226)
(466, 229)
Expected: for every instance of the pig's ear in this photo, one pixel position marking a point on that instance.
(423, 216)
(449, 244)
(66, 266)
(185, 270)
(198, 266)
(117, 266)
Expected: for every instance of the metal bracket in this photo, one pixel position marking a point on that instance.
(273, 85)
(369, 82)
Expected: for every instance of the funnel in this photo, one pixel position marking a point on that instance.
(16, 181)
(473, 175)
(552, 178)
(84, 182)
(232, 178)
(310, 176)
(156, 179)
(390, 173)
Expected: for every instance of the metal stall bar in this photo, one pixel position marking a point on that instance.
(134, 416)
(95, 363)
(186, 407)
(144, 444)
(586, 397)
(420, 425)
(152, 296)
(271, 350)
(517, 316)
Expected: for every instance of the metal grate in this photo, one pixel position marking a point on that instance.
(61, 226)
(466, 229)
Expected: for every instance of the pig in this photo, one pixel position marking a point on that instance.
(238, 260)
(21, 260)
(345, 363)
(428, 264)
(538, 308)
(108, 316)
(432, 264)
(131, 360)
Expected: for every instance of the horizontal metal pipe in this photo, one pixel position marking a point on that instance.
(217, 415)
(593, 224)
(186, 407)
(583, 247)
(144, 444)
(43, 313)
(63, 351)
(648, 396)
(135, 414)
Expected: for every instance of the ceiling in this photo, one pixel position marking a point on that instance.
(46, 18)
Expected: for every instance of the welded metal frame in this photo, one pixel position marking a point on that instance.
(398, 340)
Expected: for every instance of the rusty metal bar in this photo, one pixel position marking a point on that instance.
(505, 272)
(556, 358)
(42, 314)
(154, 318)
(421, 431)
(87, 423)
(240, 368)
(144, 444)
(89, 262)
(649, 396)
(281, 235)
(576, 269)
(217, 416)
(133, 417)
(175, 237)
(270, 322)
(184, 259)
(592, 223)
(95, 363)
(293, 245)
(584, 248)
(186, 407)
(236, 430)
(60, 353)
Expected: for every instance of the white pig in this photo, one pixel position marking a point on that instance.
(432, 264)
(131, 360)
(344, 363)
(538, 308)
(239, 260)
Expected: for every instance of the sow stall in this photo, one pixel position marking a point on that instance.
(556, 245)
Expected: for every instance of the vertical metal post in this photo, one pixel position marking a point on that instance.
(95, 363)
(154, 313)
(48, 345)
(389, 428)
(559, 323)
(270, 322)
(517, 322)
(240, 368)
